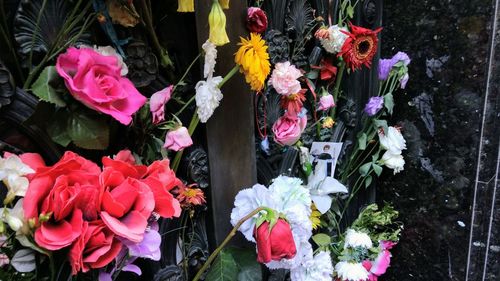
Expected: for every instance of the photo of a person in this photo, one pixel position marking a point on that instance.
(325, 152)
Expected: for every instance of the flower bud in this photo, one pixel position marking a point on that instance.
(14, 222)
(224, 4)
(217, 23)
(185, 6)
(274, 243)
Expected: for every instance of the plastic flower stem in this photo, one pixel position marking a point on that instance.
(226, 240)
(363, 160)
(52, 267)
(355, 190)
(195, 119)
(336, 90)
(185, 74)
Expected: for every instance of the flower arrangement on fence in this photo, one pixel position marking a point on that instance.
(94, 220)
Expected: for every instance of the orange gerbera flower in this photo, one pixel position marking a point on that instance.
(360, 47)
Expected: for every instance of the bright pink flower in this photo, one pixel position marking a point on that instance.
(95, 80)
(178, 139)
(387, 245)
(381, 263)
(284, 79)
(326, 102)
(157, 104)
(288, 129)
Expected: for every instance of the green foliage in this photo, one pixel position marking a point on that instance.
(380, 224)
(235, 264)
(43, 87)
(389, 103)
(362, 140)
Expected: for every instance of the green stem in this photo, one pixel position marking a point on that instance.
(228, 238)
(361, 162)
(336, 90)
(52, 268)
(229, 75)
(185, 105)
(185, 74)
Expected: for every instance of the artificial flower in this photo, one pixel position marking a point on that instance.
(328, 72)
(217, 22)
(393, 161)
(335, 40)
(284, 79)
(319, 268)
(96, 247)
(185, 6)
(399, 62)
(392, 140)
(13, 172)
(381, 263)
(374, 105)
(210, 51)
(178, 139)
(110, 51)
(315, 217)
(121, 14)
(321, 186)
(189, 196)
(348, 271)
(354, 239)
(404, 80)
(326, 102)
(293, 103)
(274, 242)
(256, 20)
(328, 122)
(157, 104)
(224, 4)
(253, 59)
(288, 129)
(149, 247)
(322, 33)
(96, 81)
(64, 194)
(208, 97)
(125, 156)
(359, 47)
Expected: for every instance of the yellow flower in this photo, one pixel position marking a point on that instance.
(328, 122)
(186, 6)
(315, 217)
(224, 4)
(217, 23)
(253, 59)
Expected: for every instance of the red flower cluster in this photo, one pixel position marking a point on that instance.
(76, 205)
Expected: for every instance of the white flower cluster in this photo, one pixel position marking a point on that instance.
(394, 144)
(336, 39)
(351, 271)
(319, 268)
(12, 173)
(208, 97)
(355, 239)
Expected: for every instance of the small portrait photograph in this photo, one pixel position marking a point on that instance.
(327, 152)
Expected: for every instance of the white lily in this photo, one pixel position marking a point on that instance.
(321, 186)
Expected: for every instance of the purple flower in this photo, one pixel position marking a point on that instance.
(374, 105)
(401, 56)
(149, 247)
(404, 80)
(384, 68)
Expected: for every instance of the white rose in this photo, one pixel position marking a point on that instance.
(392, 140)
(395, 162)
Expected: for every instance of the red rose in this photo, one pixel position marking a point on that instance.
(67, 193)
(275, 244)
(256, 20)
(95, 248)
(161, 179)
(126, 203)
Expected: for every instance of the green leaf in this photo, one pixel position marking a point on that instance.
(377, 123)
(313, 74)
(363, 170)
(377, 169)
(368, 181)
(322, 239)
(246, 260)
(224, 268)
(88, 131)
(57, 128)
(42, 87)
(362, 141)
(389, 102)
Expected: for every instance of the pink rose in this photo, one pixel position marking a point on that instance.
(288, 129)
(157, 104)
(381, 263)
(125, 156)
(95, 80)
(256, 20)
(178, 139)
(284, 79)
(326, 102)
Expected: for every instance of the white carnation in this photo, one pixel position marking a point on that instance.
(347, 271)
(319, 268)
(395, 162)
(335, 41)
(304, 254)
(355, 239)
(208, 97)
(392, 140)
(210, 56)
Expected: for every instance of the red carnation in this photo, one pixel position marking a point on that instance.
(274, 244)
(360, 47)
(256, 20)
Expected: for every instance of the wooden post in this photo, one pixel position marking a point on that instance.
(230, 131)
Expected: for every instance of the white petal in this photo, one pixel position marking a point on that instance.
(323, 203)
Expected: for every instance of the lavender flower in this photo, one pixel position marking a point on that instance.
(401, 56)
(386, 65)
(374, 105)
(404, 80)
